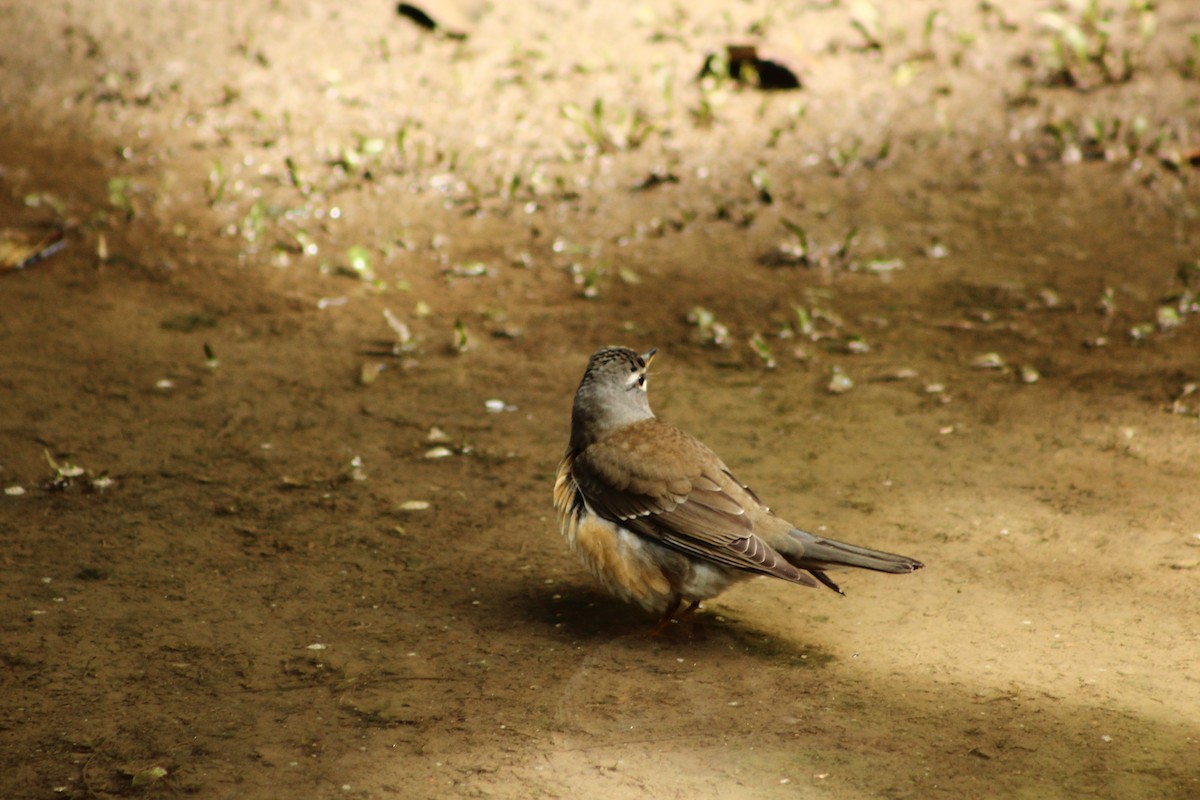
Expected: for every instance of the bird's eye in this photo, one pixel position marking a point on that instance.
(641, 380)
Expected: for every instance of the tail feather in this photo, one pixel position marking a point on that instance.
(817, 554)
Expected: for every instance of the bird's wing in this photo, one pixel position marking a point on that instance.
(664, 484)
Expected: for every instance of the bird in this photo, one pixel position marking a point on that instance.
(658, 517)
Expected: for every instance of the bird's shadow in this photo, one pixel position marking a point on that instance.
(586, 614)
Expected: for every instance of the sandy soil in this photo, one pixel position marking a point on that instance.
(232, 564)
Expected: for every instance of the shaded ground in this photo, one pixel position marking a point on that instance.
(235, 598)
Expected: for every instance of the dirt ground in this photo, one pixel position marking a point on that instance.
(279, 423)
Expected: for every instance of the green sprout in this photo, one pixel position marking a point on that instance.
(761, 349)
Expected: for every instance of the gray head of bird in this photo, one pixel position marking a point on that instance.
(611, 395)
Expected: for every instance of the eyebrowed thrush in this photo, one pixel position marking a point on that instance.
(658, 517)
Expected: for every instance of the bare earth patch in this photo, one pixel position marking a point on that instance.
(278, 424)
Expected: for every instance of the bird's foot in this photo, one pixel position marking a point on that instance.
(671, 617)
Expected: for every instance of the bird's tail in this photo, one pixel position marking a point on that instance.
(817, 554)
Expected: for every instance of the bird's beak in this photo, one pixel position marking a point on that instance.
(648, 356)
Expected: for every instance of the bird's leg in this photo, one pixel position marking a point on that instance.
(668, 615)
(691, 609)
(688, 613)
(673, 614)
